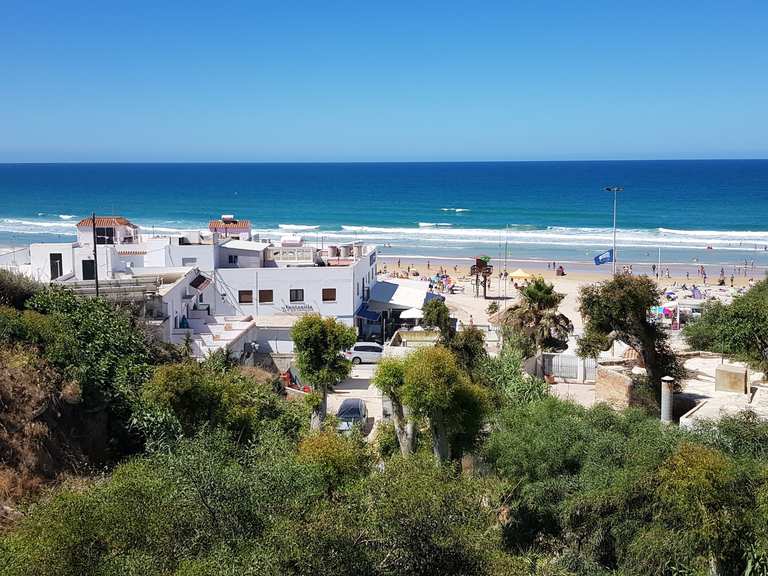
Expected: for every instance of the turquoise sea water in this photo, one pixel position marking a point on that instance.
(696, 211)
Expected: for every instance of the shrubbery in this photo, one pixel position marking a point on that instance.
(231, 481)
(739, 329)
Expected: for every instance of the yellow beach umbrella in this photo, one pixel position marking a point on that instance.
(521, 274)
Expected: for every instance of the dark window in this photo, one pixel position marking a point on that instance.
(245, 296)
(329, 294)
(56, 266)
(89, 270)
(233, 259)
(367, 349)
(105, 235)
(297, 295)
(265, 297)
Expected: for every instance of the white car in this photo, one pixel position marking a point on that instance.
(365, 353)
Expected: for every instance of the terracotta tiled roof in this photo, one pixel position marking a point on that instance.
(131, 252)
(234, 224)
(102, 221)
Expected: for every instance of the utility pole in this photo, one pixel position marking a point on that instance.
(615, 190)
(95, 256)
(658, 270)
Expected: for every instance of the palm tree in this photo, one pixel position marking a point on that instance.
(536, 316)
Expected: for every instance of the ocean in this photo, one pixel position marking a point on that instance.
(709, 212)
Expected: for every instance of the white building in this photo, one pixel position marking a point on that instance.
(262, 284)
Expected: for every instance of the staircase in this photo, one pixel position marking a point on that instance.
(211, 333)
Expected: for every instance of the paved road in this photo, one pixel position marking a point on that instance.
(358, 385)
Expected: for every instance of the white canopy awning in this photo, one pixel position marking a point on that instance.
(389, 295)
(411, 313)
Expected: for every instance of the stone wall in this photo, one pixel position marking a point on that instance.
(613, 387)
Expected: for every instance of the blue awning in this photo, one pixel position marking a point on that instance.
(363, 312)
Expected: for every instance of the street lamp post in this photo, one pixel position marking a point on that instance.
(615, 190)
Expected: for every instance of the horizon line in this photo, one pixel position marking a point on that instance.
(331, 162)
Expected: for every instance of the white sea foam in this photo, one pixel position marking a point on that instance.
(67, 216)
(455, 209)
(444, 234)
(297, 227)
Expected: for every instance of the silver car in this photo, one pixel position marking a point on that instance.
(365, 353)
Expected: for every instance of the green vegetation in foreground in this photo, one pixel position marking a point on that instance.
(739, 329)
(221, 476)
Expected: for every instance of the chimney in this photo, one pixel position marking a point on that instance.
(667, 401)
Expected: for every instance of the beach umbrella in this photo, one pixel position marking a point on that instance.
(522, 274)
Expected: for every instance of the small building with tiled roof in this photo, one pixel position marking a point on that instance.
(109, 230)
(231, 227)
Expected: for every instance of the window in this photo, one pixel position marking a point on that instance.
(188, 261)
(233, 259)
(245, 296)
(105, 235)
(329, 294)
(296, 295)
(266, 297)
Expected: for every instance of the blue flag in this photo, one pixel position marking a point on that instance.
(604, 258)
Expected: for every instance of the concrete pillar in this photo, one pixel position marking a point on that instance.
(667, 384)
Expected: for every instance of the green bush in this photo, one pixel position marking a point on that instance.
(200, 396)
(16, 289)
(739, 329)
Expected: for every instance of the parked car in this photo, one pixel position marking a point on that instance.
(351, 413)
(365, 353)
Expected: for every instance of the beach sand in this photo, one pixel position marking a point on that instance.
(467, 305)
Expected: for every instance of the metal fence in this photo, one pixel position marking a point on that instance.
(567, 367)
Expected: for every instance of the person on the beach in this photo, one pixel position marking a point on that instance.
(427, 264)
(398, 262)
(731, 280)
(653, 270)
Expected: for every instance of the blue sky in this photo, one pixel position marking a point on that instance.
(367, 81)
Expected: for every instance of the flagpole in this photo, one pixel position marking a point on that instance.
(615, 190)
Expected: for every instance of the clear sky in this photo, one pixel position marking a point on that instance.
(358, 80)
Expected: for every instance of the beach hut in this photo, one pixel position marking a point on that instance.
(520, 274)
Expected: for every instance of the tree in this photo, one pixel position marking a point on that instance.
(199, 396)
(617, 309)
(435, 388)
(469, 347)
(537, 317)
(437, 316)
(390, 379)
(318, 343)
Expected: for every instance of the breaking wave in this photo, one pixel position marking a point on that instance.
(297, 227)
(425, 234)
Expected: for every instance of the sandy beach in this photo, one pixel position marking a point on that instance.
(467, 305)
